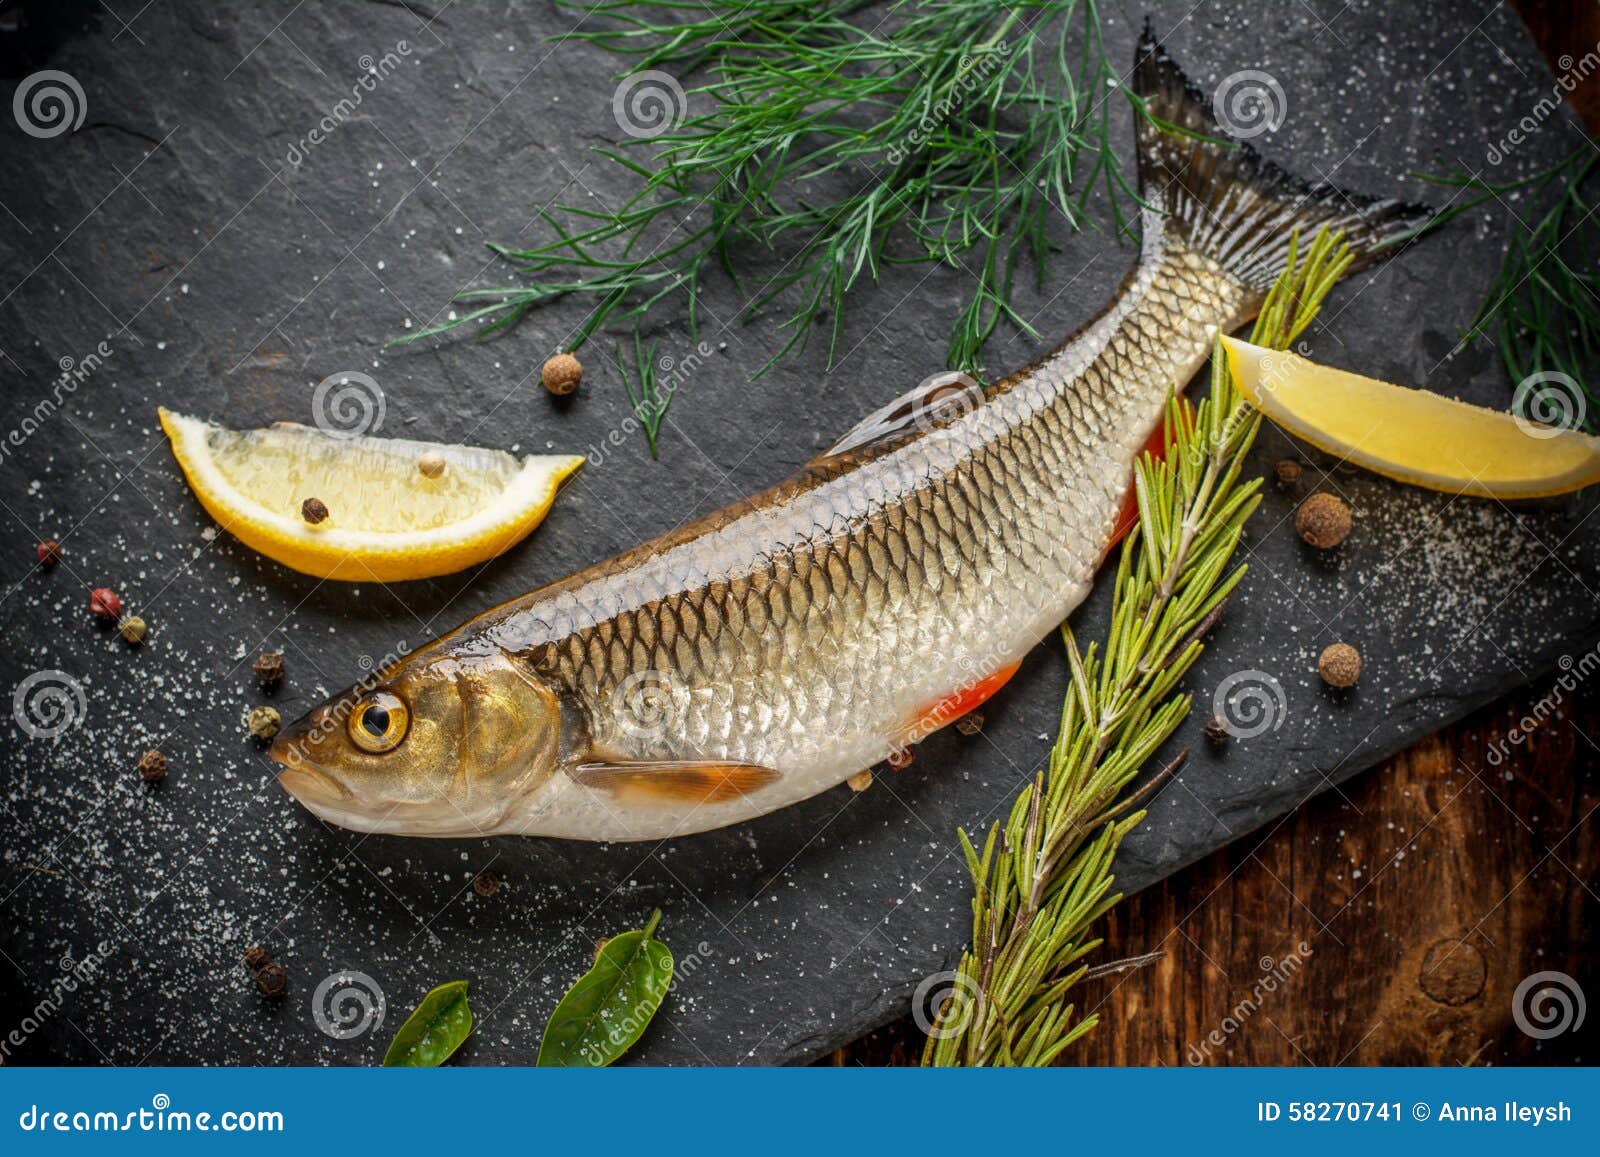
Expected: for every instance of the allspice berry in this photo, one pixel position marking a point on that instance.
(272, 980)
(268, 668)
(256, 958)
(133, 630)
(152, 766)
(264, 723)
(562, 374)
(486, 883)
(1323, 520)
(1340, 665)
(971, 723)
(431, 464)
(313, 510)
(1288, 472)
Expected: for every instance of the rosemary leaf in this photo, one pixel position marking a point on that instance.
(1044, 878)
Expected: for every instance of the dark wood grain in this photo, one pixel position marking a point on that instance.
(1422, 893)
(1393, 919)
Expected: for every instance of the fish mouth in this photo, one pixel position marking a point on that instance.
(324, 796)
(313, 788)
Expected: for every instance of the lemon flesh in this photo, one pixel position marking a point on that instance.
(388, 521)
(1413, 436)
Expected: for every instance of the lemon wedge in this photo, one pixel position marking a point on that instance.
(395, 509)
(1414, 436)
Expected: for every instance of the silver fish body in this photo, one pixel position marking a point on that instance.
(771, 650)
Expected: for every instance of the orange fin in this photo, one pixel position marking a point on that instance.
(1155, 446)
(675, 781)
(953, 707)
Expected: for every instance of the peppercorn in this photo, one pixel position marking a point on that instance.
(971, 723)
(268, 668)
(431, 464)
(264, 723)
(133, 630)
(153, 766)
(1323, 520)
(562, 374)
(256, 958)
(901, 758)
(105, 605)
(1288, 472)
(486, 883)
(49, 552)
(860, 781)
(313, 510)
(1216, 731)
(1340, 665)
(272, 980)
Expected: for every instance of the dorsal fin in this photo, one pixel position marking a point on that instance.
(940, 398)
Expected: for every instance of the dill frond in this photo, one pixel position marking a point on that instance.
(1543, 306)
(948, 132)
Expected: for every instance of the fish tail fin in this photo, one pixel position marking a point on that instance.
(1226, 201)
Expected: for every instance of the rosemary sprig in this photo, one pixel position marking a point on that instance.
(1044, 877)
(1544, 303)
(950, 132)
(649, 403)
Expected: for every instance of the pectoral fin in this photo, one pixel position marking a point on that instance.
(675, 781)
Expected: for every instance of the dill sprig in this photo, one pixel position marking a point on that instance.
(946, 132)
(648, 402)
(1544, 302)
(1044, 877)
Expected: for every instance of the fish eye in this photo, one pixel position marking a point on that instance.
(378, 723)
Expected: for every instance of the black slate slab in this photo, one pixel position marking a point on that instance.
(227, 281)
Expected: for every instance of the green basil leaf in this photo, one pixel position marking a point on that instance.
(608, 1009)
(429, 1035)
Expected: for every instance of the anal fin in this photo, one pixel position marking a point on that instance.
(675, 781)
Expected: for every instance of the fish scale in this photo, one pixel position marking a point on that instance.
(970, 518)
(772, 649)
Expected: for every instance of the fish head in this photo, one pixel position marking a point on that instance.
(446, 742)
